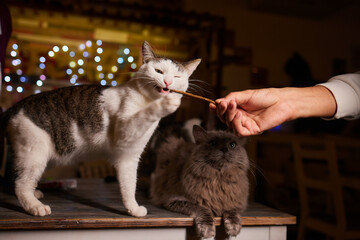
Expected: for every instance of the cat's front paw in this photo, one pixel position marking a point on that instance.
(232, 229)
(139, 211)
(206, 231)
(231, 238)
(39, 210)
(170, 103)
(210, 238)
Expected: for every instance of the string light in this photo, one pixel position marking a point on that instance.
(9, 88)
(103, 82)
(114, 68)
(85, 54)
(99, 50)
(19, 89)
(76, 65)
(15, 62)
(39, 83)
(82, 46)
(72, 64)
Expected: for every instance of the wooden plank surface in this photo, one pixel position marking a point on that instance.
(96, 204)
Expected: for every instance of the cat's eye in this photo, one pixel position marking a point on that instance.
(158, 71)
(212, 143)
(232, 144)
(177, 76)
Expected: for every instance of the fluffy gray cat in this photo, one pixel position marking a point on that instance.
(203, 179)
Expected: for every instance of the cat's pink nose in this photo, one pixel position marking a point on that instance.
(167, 82)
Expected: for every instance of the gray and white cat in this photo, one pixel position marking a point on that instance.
(203, 179)
(77, 122)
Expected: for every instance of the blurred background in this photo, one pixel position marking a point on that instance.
(243, 44)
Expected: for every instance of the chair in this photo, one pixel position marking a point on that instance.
(318, 178)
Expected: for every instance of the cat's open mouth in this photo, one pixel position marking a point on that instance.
(163, 90)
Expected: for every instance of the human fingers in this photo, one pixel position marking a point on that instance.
(237, 126)
(231, 112)
(221, 109)
(219, 100)
(244, 126)
(239, 97)
(212, 107)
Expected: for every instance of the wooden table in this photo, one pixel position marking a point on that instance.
(94, 211)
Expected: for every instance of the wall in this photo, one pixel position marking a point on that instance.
(274, 38)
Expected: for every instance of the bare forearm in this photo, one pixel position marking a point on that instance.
(315, 101)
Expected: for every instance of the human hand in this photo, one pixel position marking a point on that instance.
(251, 112)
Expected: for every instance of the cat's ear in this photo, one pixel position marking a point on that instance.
(199, 133)
(147, 52)
(191, 66)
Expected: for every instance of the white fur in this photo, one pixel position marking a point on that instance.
(131, 113)
(32, 148)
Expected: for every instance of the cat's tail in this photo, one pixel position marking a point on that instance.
(188, 128)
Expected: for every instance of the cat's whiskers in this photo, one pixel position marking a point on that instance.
(196, 81)
(255, 170)
(143, 77)
(201, 87)
(195, 87)
(152, 82)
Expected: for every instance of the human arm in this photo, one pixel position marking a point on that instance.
(251, 112)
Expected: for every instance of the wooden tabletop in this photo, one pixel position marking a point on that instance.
(96, 204)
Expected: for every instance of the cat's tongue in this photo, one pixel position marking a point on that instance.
(164, 90)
